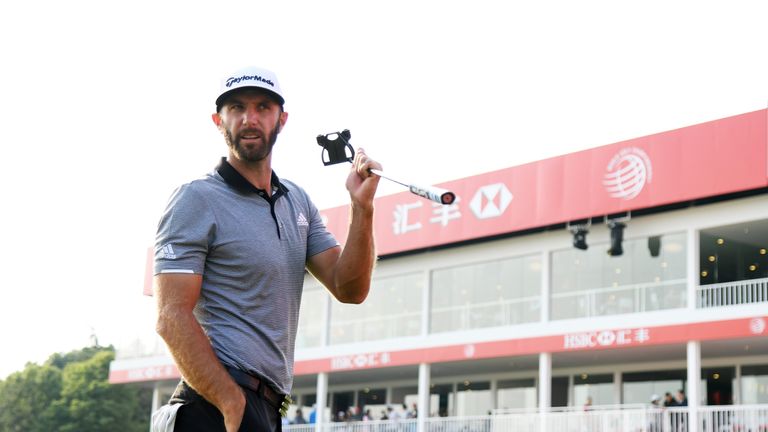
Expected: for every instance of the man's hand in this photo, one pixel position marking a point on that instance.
(176, 295)
(361, 184)
(233, 412)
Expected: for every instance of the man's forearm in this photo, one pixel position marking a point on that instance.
(355, 265)
(197, 362)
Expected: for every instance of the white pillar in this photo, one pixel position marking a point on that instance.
(737, 386)
(545, 388)
(694, 382)
(453, 400)
(692, 267)
(545, 381)
(321, 400)
(494, 393)
(617, 384)
(423, 404)
(155, 400)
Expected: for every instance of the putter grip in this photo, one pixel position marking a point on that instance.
(438, 195)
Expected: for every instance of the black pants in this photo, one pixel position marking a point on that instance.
(199, 415)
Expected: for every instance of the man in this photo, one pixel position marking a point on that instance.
(230, 255)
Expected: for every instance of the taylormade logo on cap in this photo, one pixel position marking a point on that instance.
(234, 80)
(250, 77)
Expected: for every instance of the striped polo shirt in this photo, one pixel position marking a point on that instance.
(251, 250)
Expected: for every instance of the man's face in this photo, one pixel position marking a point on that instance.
(250, 121)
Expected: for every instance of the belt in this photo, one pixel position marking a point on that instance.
(251, 382)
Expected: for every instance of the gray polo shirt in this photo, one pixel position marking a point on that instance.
(251, 250)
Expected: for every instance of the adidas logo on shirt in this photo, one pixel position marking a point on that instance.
(301, 220)
(167, 252)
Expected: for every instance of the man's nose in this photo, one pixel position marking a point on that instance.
(251, 116)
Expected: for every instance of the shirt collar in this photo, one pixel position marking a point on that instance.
(236, 180)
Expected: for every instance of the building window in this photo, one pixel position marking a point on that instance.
(309, 333)
(649, 275)
(516, 394)
(473, 398)
(392, 310)
(638, 387)
(593, 389)
(734, 253)
(488, 294)
(754, 384)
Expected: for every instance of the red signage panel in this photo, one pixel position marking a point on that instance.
(577, 341)
(601, 339)
(705, 160)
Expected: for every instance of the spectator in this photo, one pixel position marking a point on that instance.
(299, 419)
(313, 415)
(413, 412)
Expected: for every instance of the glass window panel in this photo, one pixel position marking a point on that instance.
(488, 294)
(638, 387)
(599, 388)
(734, 252)
(754, 384)
(589, 282)
(308, 334)
(473, 398)
(392, 310)
(516, 394)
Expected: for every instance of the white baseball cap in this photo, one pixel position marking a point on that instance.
(250, 77)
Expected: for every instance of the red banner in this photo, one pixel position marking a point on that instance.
(705, 160)
(578, 341)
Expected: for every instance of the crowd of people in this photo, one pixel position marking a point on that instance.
(354, 414)
(679, 399)
(678, 420)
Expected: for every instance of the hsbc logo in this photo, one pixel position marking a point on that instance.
(627, 173)
(490, 201)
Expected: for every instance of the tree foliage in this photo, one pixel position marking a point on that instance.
(70, 393)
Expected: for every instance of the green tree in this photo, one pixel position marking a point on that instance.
(27, 399)
(71, 393)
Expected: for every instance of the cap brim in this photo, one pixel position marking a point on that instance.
(220, 100)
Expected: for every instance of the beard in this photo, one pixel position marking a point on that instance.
(256, 153)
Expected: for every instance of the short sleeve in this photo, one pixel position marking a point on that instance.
(319, 238)
(184, 233)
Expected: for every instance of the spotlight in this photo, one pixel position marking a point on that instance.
(580, 237)
(617, 235)
(654, 245)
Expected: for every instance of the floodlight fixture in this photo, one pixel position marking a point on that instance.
(580, 232)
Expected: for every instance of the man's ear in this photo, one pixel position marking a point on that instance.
(283, 119)
(216, 119)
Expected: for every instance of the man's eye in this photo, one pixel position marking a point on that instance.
(236, 107)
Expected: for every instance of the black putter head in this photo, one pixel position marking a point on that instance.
(336, 145)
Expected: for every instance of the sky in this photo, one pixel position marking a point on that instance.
(106, 109)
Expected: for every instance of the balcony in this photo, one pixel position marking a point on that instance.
(732, 293)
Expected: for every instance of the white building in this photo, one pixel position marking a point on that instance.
(487, 303)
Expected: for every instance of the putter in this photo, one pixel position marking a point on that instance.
(337, 149)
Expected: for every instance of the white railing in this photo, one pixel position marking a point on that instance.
(732, 293)
(628, 418)
(622, 299)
